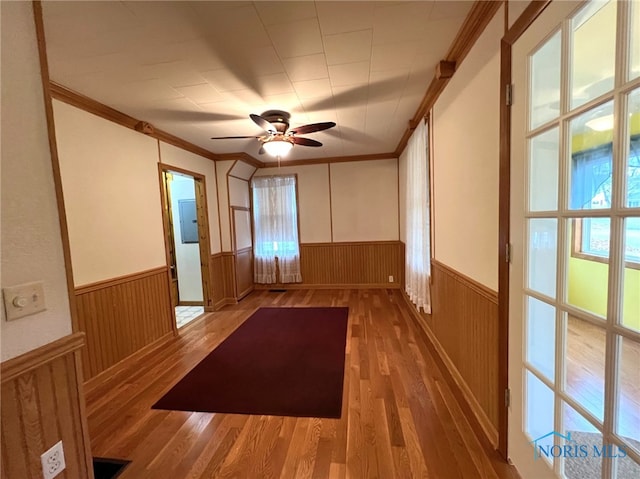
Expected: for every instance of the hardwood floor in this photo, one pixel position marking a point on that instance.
(399, 417)
(585, 365)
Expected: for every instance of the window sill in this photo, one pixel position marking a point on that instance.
(600, 259)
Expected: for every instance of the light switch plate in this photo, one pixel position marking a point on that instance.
(23, 300)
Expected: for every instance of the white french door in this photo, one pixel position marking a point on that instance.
(574, 320)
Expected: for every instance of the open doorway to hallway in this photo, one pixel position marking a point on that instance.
(184, 237)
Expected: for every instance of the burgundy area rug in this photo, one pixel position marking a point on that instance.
(280, 361)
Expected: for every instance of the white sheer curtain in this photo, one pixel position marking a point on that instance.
(275, 216)
(418, 261)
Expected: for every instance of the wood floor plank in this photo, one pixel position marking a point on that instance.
(399, 417)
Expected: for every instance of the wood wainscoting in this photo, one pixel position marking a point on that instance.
(43, 403)
(463, 329)
(121, 316)
(244, 272)
(323, 265)
(222, 270)
(358, 264)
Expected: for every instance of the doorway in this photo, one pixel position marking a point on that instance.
(574, 313)
(187, 242)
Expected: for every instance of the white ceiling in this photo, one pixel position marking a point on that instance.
(198, 69)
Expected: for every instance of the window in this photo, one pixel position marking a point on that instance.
(275, 217)
(417, 220)
(591, 189)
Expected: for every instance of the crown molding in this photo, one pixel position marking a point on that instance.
(241, 156)
(90, 105)
(332, 159)
(474, 24)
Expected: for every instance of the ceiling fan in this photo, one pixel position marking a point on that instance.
(279, 139)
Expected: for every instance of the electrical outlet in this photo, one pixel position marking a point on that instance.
(390, 279)
(53, 461)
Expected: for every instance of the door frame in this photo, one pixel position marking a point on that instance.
(203, 228)
(523, 22)
(170, 241)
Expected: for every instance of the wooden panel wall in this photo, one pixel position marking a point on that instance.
(222, 271)
(352, 264)
(43, 403)
(323, 265)
(464, 322)
(217, 279)
(121, 316)
(244, 272)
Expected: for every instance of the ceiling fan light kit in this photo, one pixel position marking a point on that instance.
(278, 147)
(279, 139)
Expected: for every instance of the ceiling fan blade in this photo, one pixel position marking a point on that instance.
(304, 129)
(264, 124)
(233, 137)
(305, 141)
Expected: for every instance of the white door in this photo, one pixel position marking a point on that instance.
(574, 358)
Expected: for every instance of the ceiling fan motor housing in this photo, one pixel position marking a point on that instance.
(279, 119)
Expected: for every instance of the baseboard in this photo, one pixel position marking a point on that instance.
(224, 302)
(190, 303)
(328, 286)
(475, 414)
(112, 370)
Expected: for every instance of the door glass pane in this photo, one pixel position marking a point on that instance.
(543, 171)
(591, 158)
(585, 436)
(634, 59)
(633, 153)
(541, 336)
(594, 51)
(631, 288)
(584, 365)
(545, 83)
(539, 415)
(626, 468)
(628, 423)
(588, 264)
(543, 241)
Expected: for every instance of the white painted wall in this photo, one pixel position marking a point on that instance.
(242, 220)
(466, 162)
(31, 241)
(239, 192)
(187, 254)
(360, 199)
(112, 196)
(222, 168)
(242, 170)
(174, 156)
(402, 197)
(364, 198)
(313, 196)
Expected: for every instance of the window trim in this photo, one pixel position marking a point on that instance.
(576, 247)
(253, 231)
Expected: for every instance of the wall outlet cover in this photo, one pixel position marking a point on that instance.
(53, 461)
